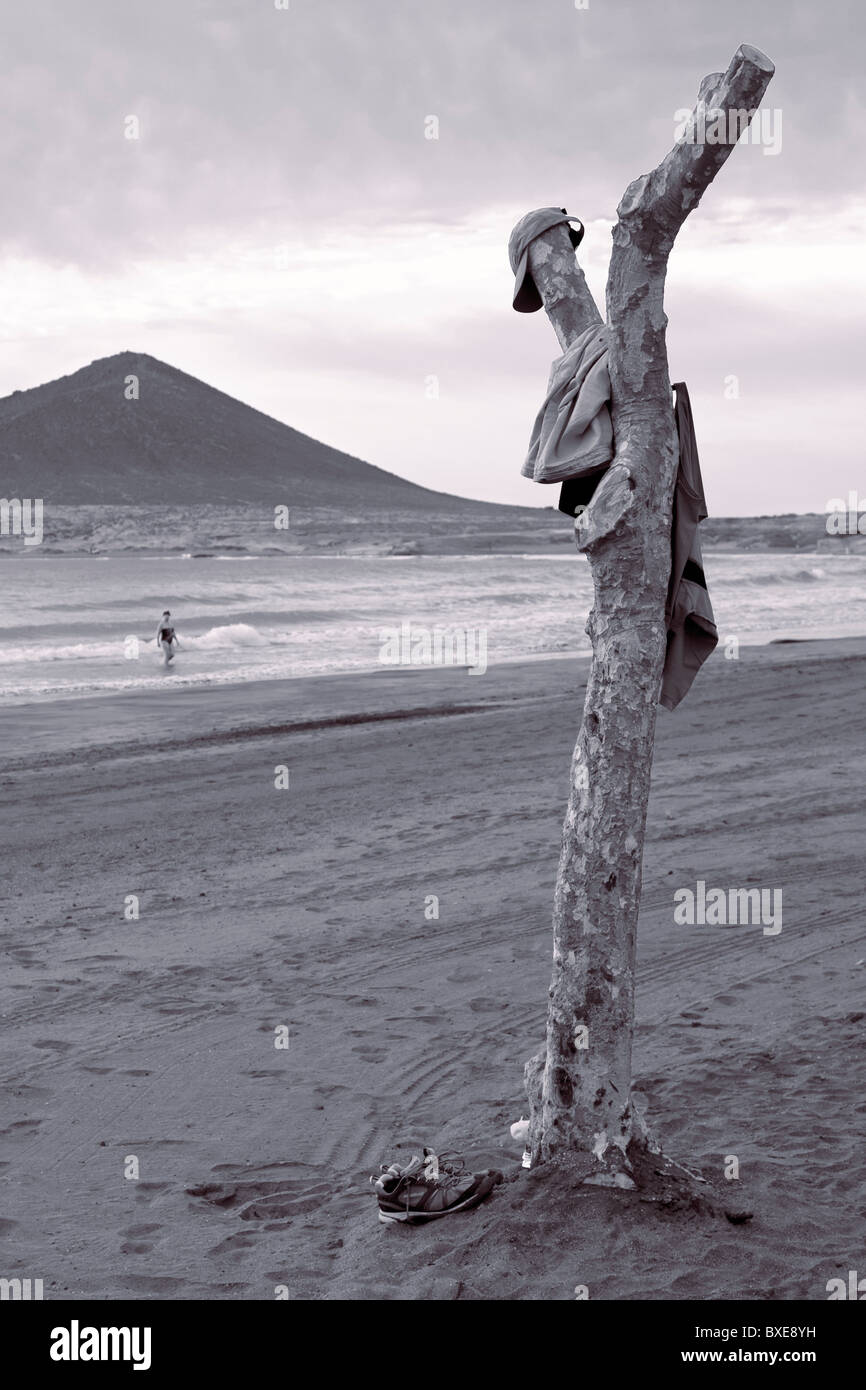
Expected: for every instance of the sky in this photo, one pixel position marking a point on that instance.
(307, 203)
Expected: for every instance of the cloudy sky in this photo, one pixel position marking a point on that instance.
(284, 228)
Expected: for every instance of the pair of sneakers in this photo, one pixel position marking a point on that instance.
(429, 1186)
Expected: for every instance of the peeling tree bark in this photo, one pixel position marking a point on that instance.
(579, 1085)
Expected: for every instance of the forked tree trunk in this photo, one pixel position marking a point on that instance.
(579, 1085)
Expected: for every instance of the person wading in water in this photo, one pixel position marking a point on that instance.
(166, 638)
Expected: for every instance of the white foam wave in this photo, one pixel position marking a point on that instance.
(223, 638)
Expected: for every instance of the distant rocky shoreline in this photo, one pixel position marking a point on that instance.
(201, 531)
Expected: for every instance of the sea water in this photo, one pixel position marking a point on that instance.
(84, 625)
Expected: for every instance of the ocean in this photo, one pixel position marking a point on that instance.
(84, 625)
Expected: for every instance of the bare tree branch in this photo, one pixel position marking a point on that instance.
(562, 285)
(579, 1086)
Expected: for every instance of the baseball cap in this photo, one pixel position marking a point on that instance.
(526, 298)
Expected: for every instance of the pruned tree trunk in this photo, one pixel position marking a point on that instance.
(579, 1085)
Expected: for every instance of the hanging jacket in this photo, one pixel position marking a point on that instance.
(572, 433)
(692, 632)
(572, 440)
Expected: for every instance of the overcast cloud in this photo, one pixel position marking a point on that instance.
(283, 229)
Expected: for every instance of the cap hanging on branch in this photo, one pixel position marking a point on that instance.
(526, 297)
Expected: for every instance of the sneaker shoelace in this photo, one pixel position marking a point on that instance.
(451, 1165)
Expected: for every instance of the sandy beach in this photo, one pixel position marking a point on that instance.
(260, 909)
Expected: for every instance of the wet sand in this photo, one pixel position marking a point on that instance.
(154, 1039)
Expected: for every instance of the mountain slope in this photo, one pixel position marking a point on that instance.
(78, 439)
